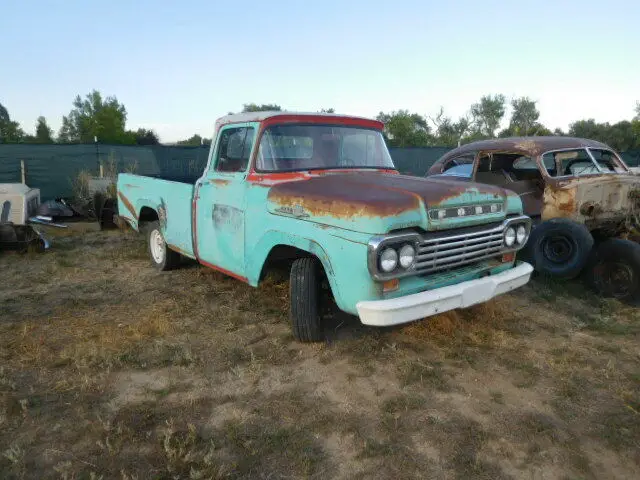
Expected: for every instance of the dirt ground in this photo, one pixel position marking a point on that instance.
(109, 369)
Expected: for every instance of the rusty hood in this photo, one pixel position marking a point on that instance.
(376, 202)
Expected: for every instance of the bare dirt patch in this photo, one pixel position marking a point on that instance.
(109, 369)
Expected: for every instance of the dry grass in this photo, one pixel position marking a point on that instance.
(109, 369)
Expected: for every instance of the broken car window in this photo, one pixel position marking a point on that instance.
(571, 162)
(461, 166)
(607, 160)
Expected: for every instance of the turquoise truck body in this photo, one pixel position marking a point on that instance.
(239, 221)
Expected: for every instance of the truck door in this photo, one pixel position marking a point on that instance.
(219, 201)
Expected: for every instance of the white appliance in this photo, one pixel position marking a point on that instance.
(18, 202)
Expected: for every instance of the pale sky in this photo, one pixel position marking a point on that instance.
(177, 66)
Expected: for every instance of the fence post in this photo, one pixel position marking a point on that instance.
(101, 170)
(23, 172)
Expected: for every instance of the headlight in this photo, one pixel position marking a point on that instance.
(510, 237)
(388, 260)
(521, 234)
(407, 256)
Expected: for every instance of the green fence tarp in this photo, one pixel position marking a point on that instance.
(53, 168)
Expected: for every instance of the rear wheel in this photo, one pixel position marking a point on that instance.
(162, 257)
(614, 270)
(305, 298)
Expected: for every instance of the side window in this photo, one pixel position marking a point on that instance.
(524, 163)
(234, 149)
(571, 162)
(461, 166)
(549, 163)
(607, 160)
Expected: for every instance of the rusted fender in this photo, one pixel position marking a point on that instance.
(593, 199)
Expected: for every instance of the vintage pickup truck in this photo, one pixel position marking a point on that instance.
(320, 192)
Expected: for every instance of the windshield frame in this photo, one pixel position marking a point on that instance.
(600, 171)
(302, 123)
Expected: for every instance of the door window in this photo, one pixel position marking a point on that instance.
(234, 149)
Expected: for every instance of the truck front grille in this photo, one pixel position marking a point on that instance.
(443, 252)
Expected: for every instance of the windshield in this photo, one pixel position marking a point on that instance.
(308, 147)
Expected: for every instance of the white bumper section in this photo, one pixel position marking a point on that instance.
(399, 310)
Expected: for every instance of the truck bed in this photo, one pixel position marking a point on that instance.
(140, 197)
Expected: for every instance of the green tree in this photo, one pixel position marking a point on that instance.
(637, 117)
(265, 107)
(487, 115)
(449, 133)
(142, 136)
(95, 117)
(589, 129)
(404, 129)
(10, 131)
(195, 140)
(524, 116)
(44, 133)
(621, 136)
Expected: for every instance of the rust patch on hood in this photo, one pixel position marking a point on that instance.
(128, 204)
(371, 194)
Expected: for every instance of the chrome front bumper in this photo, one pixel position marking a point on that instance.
(405, 309)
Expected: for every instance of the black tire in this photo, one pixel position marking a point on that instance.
(106, 215)
(162, 257)
(559, 247)
(614, 270)
(304, 301)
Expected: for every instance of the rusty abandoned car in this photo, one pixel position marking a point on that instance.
(583, 199)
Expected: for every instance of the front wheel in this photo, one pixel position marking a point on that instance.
(162, 257)
(614, 270)
(559, 247)
(305, 295)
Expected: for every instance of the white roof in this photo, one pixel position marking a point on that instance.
(14, 188)
(260, 116)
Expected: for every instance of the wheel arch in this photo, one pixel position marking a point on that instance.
(277, 247)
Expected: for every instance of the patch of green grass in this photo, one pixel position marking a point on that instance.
(609, 348)
(620, 428)
(539, 424)
(403, 403)
(432, 375)
(609, 326)
(528, 372)
(269, 446)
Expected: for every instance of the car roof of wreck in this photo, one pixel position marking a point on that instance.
(530, 146)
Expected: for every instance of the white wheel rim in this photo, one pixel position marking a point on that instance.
(157, 247)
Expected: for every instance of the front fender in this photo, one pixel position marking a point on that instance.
(272, 238)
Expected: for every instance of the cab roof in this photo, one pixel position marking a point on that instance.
(297, 116)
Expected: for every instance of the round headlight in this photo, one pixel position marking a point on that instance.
(521, 234)
(388, 260)
(407, 256)
(510, 237)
